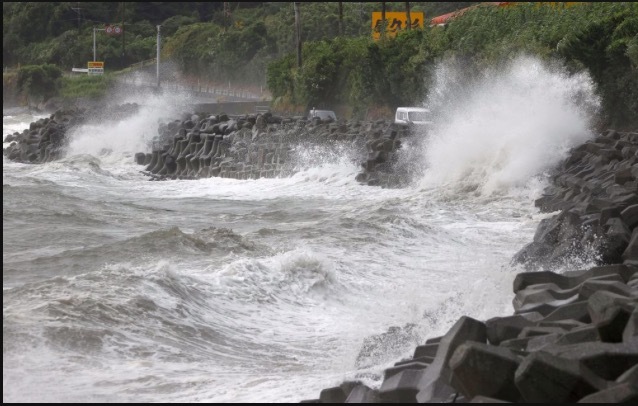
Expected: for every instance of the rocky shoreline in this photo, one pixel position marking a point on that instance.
(46, 138)
(200, 145)
(572, 336)
(263, 145)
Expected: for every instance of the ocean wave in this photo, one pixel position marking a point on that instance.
(172, 242)
(292, 276)
(115, 310)
(510, 125)
(90, 254)
(83, 163)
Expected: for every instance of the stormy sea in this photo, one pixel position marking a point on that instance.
(121, 289)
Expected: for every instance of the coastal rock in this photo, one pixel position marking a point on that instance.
(46, 139)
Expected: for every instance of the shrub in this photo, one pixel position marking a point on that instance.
(39, 80)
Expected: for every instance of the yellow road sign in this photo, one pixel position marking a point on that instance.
(94, 64)
(396, 21)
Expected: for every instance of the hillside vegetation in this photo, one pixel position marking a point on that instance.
(253, 43)
(205, 41)
(601, 38)
(202, 37)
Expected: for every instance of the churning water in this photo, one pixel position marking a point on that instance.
(117, 289)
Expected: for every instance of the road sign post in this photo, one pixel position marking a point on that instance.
(158, 55)
(95, 68)
(94, 47)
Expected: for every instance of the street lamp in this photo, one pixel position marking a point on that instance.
(94, 51)
(158, 56)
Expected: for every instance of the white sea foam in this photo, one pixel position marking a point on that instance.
(291, 276)
(507, 126)
(124, 136)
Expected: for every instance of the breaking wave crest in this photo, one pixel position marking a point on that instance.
(506, 127)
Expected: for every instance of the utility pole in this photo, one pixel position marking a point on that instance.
(407, 14)
(383, 23)
(298, 32)
(94, 47)
(78, 16)
(77, 11)
(340, 18)
(158, 56)
(226, 15)
(361, 16)
(123, 31)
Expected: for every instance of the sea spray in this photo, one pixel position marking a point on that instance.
(506, 127)
(124, 136)
(127, 135)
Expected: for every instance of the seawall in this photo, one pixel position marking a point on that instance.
(244, 146)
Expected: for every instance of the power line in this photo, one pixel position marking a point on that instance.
(78, 11)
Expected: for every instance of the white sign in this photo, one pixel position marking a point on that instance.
(113, 29)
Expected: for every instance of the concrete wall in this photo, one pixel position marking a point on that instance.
(250, 107)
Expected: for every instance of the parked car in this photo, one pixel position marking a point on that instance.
(413, 115)
(324, 115)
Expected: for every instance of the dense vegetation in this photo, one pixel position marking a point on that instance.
(61, 33)
(359, 72)
(40, 81)
(205, 40)
(35, 84)
(253, 43)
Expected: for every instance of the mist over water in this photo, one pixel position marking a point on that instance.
(118, 289)
(127, 135)
(508, 125)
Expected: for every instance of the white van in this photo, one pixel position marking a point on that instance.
(324, 115)
(413, 115)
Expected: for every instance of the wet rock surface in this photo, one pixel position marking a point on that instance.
(251, 146)
(265, 146)
(582, 351)
(596, 193)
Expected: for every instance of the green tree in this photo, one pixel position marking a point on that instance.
(39, 81)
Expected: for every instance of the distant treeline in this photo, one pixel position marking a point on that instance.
(253, 43)
(61, 33)
(212, 40)
(601, 38)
